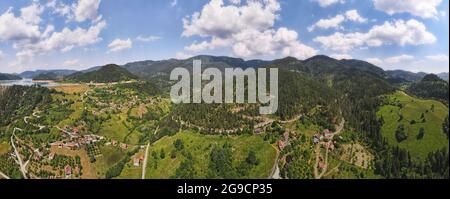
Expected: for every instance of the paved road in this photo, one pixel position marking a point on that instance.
(144, 165)
(4, 175)
(22, 166)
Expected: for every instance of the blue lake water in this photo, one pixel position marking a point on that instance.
(27, 82)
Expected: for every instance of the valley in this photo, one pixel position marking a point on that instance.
(336, 119)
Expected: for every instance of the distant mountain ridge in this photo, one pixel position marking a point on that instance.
(106, 74)
(4, 76)
(58, 72)
(430, 87)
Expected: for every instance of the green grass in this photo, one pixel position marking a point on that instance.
(200, 147)
(110, 156)
(114, 129)
(4, 148)
(412, 109)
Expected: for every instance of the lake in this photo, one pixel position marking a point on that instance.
(27, 82)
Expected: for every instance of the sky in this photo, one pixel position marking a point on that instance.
(410, 35)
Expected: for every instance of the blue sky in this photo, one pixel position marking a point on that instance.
(78, 34)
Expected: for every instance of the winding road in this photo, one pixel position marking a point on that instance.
(22, 166)
(4, 175)
(144, 165)
(318, 175)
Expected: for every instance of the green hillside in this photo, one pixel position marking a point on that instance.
(106, 74)
(402, 109)
(196, 154)
(4, 76)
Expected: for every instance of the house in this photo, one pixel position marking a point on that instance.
(72, 145)
(286, 136)
(114, 142)
(123, 146)
(51, 156)
(68, 170)
(316, 139)
(137, 162)
(281, 144)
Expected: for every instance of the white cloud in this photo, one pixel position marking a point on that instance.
(86, 9)
(375, 61)
(353, 15)
(399, 32)
(119, 45)
(399, 59)
(173, 3)
(247, 30)
(182, 55)
(341, 56)
(150, 38)
(64, 40)
(335, 22)
(438, 58)
(325, 3)
(420, 8)
(235, 2)
(31, 14)
(17, 28)
(72, 62)
(2, 55)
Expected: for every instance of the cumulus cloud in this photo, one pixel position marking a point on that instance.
(374, 61)
(30, 37)
(335, 22)
(399, 32)
(325, 3)
(353, 15)
(438, 58)
(31, 14)
(86, 9)
(341, 56)
(119, 45)
(64, 40)
(18, 28)
(182, 55)
(399, 59)
(72, 62)
(420, 8)
(79, 11)
(247, 30)
(150, 38)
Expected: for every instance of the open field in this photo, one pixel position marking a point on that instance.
(200, 147)
(4, 148)
(411, 110)
(110, 156)
(88, 170)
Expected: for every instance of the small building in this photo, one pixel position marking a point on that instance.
(281, 144)
(123, 146)
(51, 156)
(137, 162)
(68, 170)
(114, 142)
(286, 136)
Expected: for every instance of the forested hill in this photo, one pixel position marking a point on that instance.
(106, 74)
(432, 87)
(4, 76)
